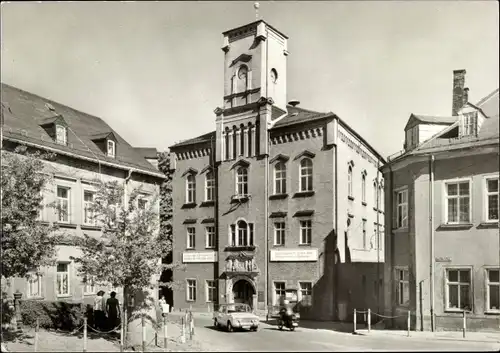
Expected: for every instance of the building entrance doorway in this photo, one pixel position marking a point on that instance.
(243, 292)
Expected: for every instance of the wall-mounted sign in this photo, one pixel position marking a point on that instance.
(294, 255)
(443, 259)
(200, 256)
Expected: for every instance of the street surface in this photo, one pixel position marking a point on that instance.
(269, 338)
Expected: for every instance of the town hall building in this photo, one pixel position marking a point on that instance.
(278, 197)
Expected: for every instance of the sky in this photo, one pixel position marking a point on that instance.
(154, 70)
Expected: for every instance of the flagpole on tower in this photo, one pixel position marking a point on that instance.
(256, 7)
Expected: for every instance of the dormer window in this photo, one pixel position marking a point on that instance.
(469, 124)
(61, 135)
(111, 148)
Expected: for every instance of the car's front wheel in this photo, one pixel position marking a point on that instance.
(216, 324)
(229, 327)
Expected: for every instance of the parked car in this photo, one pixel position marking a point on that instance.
(236, 316)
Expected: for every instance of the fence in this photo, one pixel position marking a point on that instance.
(160, 339)
(367, 315)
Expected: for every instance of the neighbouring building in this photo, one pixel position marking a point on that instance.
(442, 248)
(86, 149)
(277, 197)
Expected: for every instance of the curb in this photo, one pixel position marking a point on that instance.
(436, 338)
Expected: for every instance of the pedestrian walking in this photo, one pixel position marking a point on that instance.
(99, 315)
(164, 306)
(113, 310)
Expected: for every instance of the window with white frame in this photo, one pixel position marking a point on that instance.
(63, 204)
(363, 187)
(458, 292)
(280, 178)
(191, 290)
(492, 206)
(305, 232)
(306, 174)
(493, 289)
(89, 285)
(191, 188)
(349, 182)
(88, 204)
(142, 202)
(279, 292)
(457, 202)
(403, 286)
(62, 279)
(279, 233)
(210, 237)
(111, 148)
(210, 186)
(211, 295)
(34, 286)
(191, 235)
(402, 208)
(61, 135)
(470, 124)
(242, 234)
(305, 293)
(365, 239)
(242, 181)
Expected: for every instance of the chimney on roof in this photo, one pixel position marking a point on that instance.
(294, 102)
(459, 91)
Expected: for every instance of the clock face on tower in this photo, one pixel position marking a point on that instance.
(274, 75)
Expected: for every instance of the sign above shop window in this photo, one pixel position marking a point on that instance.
(294, 255)
(200, 256)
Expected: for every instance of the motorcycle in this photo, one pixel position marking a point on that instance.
(288, 319)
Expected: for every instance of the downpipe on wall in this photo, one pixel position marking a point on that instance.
(431, 229)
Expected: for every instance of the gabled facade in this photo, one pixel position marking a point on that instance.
(86, 149)
(261, 205)
(442, 237)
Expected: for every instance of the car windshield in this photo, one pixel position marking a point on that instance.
(238, 308)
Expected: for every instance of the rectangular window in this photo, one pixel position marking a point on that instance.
(470, 124)
(210, 187)
(279, 233)
(458, 282)
(365, 239)
(493, 290)
(458, 202)
(190, 188)
(88, 212)
(61, 135)
(63, 205)
(62, 279)
(191, 235)
(403, 289)
(210, 237)
(111, 149)
(305, 232)
(306, 293)
(211, 291)
(279, 291)
(34, 286)
(191, 290)
(280, 178)
(363, 188)
(89, 285)
(142, 203)
(492, 206)
(401, 209)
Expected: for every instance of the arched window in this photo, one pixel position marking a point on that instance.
(363, 187)
(235, 141)
(190, 189)
(349, 182)
(250, 140)
(226, 144)
(375, 194)
(380, 195)
(210, 186)
(306, 175)
(242, 181)
(280, 178)
(241, 234)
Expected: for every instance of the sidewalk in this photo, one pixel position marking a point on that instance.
(493, 337)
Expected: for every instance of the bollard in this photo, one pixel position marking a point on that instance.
(354, 320)
(143, 324)
(408, 323)
(37, 328)
(121, 334)
(165, 332)
(84, 334)
(369, 319)
(464, 325)
(183, 331)
(191, 326)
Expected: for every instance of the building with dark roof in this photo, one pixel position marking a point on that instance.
(278, 201)
(442, 240)
(86, 149)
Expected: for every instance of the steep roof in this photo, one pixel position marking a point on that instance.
(298, 115)
(200, 139)
(431, 119)
(25, 112)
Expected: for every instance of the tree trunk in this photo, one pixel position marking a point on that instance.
(143, 305)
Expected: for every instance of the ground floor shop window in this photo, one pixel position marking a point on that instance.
(458, 293)
(191, 290)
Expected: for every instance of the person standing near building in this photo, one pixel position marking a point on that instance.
(113, 310)
(164, 306)
(99, 315)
